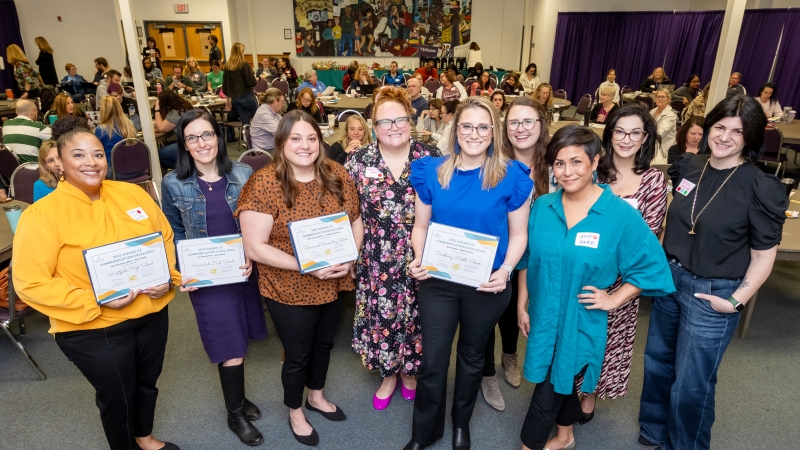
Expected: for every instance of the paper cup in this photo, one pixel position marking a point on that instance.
(180, 91)
(331, 119)
(556, 116)
(194, 98)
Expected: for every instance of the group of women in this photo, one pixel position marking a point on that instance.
(576, 218)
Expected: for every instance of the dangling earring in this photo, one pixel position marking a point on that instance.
(490, 150)
(62, 177)
(456, 148)
(553, 181)
(594, 177)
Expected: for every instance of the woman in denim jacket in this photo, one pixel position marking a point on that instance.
(199, 199)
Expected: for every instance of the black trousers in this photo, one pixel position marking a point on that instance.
(123, 363)
(306, 333)
(509, 331)
(548, 406)
(443, 306)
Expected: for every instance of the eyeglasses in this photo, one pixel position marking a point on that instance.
(527, 124)
(385, 124)
(207, 136)
(465, 129)
(661, 97)
(636, 135)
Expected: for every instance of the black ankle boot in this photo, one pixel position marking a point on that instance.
(232, 380)
(461, 439)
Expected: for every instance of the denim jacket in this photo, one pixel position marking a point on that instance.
(185, 206)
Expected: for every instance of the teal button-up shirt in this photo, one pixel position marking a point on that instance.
(611, 241)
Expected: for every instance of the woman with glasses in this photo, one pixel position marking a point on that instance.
(582, 240)
(386, 329)
(306, 101)
(478, 188)
(666, 121)
(200, 196)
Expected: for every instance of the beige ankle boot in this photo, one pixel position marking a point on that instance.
(491, 393)
(509, 363)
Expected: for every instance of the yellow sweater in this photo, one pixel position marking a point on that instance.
(48, 266)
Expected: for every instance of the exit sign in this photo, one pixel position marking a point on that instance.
(182, 8)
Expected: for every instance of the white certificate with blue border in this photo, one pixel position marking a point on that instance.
(211, 261)
(119, 268)
(323, 241)
(459, 255)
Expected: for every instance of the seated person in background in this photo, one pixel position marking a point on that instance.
(49, 170)
(482, 87)
(151, 72)
(266, 70)
(75, 82)
(168, 110)
(611, 80)
(418, 102)
(311, 82)
(198, 77)
(498, 99)
(127, 76)
(688, 138)
(129, 106)
(307, 102)
(476, 71)
(101, 64)
(265, 121)
(654, 81)
(530, 78)
(428, 71)
(113, 127)
(62, 106)
(23, 134)
(287, 72)
(362, 78)
(698, 106)
(734, 88)
(456, 75)
(768, 99)
(178, 81)
(544, 93)
(214, 78)
(393, 78)
(448, 113)
(356, 135)
(350, 74)
(424, 90)
(666, 119)
(512, 85)
(112, 76)
(450, 88)
(604, 107)
(430, 121)
(688, 91)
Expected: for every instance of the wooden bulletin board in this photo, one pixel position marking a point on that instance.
(180, 40)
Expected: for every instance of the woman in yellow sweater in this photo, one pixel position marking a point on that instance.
(119, 346)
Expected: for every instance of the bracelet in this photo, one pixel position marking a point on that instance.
(156, 110)
(508, 268)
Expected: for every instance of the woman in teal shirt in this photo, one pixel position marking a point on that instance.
(580, 240)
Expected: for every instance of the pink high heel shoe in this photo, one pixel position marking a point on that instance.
(382, 403)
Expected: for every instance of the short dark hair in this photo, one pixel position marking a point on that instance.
(102, 61)
(606, 170)
(774, 97)
(535, 70)
(450, 106)
(213, 38)
(67, 137)
(573, 135)
(65, 124)
(216, 63)
(754, 121)
(185, 166)
(111, 72)
(680, 138)
(692, 77)
(177, 66)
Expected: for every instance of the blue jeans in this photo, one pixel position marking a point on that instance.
(168, 155)
(347, 41)
(685, 344)
(246, 107)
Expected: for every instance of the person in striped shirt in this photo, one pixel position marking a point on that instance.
(23, 134)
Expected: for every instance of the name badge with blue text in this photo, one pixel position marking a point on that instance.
(587, 240)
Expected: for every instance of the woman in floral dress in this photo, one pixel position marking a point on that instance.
(386, 329)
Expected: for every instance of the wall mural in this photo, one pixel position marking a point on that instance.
(386, 28)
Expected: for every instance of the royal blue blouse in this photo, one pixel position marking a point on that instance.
(466, 204)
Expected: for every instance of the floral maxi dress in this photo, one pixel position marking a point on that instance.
(386, 330)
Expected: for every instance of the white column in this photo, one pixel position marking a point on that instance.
(252, 34)
(723, 65)
(131, 43)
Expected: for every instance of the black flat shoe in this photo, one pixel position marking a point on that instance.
(251, 411)
(335, 416)
(414, 445)
(587, 417)
(461, 439)
(647, 443)
(167, 446)
(312, 439)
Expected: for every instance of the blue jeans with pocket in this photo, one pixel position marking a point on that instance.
(246, 107)
(685, 344)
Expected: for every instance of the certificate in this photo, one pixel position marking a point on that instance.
(125, 266)
(458, 255)
(211, 261)
(323, 241)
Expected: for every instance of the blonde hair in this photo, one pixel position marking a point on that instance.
(43, 45)
(113, 119)
(664, 72)
(270, 96)
(359, 71)
(493, 169)
(44, 173)
(187, 70)
(15, 55)
(60, 104)
(236, 59)
(345, 140)
(549, 101)
(608, 90)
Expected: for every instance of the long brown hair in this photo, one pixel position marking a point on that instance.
(299, 101)
(43, 45)
(60, 105)
(323, 167)
(538, 164)
(236, 58)
(680, 138)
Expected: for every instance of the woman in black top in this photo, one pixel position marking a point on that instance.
(307, 102)
(152, 52)
(238, 83)
(512, 86)
(688, 91)
(688, 138)
(605, 106)
(356, 135)
(654, 81)
(476, 72)
(47, 68)
(722, 234)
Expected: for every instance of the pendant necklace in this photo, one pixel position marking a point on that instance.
(697, 189)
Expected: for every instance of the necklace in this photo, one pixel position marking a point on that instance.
(209, 184)
(697, 189)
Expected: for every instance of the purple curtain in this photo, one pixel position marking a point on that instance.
(9, 34)
(588, 44)
(755, 51)
(787, 70)
(693, 41)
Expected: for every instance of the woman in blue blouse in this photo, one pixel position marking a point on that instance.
(49, 170)
(478, 188)
(580, 240)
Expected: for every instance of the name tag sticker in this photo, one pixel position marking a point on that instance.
(633, 202)
(137, 214)
(373, 172)
(685, 187)
(587, 240)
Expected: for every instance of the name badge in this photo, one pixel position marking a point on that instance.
(685, 187)
(373, 172)
(137, 214)
(633, 202)
(587, 240)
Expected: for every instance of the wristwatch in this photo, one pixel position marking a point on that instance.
(736, 305)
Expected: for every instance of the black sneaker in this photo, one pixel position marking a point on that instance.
(646, 443)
